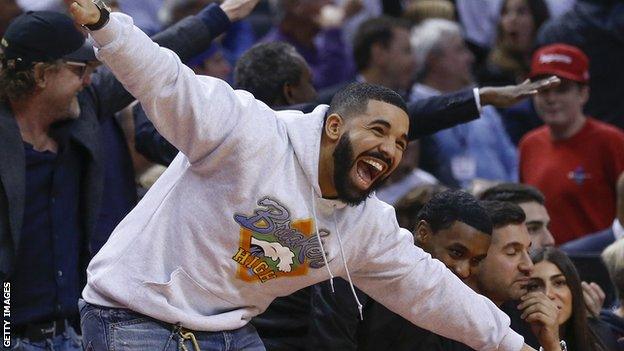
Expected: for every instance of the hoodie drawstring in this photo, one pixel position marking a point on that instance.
(342, 255)
(318, 237)
(344, 262)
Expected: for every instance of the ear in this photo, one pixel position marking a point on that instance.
(287, 93)
(40, 74)
(334, 126)
(584, 94)
(422, 233)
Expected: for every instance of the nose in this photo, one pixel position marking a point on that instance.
(550, 292)
(388, 149)
(86, 80)
(462, 270)
(548, 239)
(526, 265)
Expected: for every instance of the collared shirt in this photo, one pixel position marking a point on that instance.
(618, 230)
(477, 149)
(47, 264)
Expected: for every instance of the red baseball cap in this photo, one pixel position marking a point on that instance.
(562, 60)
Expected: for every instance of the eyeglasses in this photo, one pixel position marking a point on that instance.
(78, 68)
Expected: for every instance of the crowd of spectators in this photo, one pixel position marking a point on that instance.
(521, 198)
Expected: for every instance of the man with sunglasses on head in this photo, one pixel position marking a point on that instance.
(52, 117)
(574, 160)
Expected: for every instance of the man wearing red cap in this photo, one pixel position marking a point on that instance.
(574, 159)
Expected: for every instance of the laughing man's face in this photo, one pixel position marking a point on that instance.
(369, 150)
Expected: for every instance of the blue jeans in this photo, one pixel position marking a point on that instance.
(108, 329)
(68, 341)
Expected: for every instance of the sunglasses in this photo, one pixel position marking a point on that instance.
(78, 68)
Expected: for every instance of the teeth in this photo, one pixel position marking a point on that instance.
(377, 165)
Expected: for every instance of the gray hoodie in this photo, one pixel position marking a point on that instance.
(235, 221)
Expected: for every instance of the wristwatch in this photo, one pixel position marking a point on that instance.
(104, 15)
(562, 344)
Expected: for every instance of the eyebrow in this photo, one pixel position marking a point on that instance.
(557, 276)
(513, 244)
(389, 126)
(535, 222)
(457, 246)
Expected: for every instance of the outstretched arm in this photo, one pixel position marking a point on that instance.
(431, 115)
(186, 38)
(421, 289)
(196, 114)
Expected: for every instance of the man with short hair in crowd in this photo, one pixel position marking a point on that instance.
(504, 274)
(574, 160)
(532, 202)
(232, 150)
(276, 74)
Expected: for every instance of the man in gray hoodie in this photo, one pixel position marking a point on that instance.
(259, 204)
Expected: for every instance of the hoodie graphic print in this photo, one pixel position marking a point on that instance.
(273, 245)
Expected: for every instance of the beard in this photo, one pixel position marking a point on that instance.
(344, 161)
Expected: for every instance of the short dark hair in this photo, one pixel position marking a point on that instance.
(503, 214)
(353, 99)
(513, 192)
(450, 206)
(376, 30)
(265, 68)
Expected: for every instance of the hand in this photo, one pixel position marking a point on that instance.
(541, 313)
(512, 94)
(84, 12)
(238, 9)
(331, 16)
(594, 298)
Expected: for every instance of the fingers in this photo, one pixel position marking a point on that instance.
(535, 302)
(84, 12)
(594, 297)
(546, 83)
(540, 317)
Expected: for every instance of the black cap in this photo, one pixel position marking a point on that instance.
(43, 36)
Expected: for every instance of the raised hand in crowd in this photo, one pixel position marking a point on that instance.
(541, 313)
(594, 298)
(512, 94)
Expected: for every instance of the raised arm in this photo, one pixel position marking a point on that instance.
(194, 113)
(187, 38)
(431, 115)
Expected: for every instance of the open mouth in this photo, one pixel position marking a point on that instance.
(368, 170)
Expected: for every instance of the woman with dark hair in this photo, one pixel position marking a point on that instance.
(510, 58)
(555, 275)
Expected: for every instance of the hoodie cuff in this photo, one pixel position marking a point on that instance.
(108, 33)
(215, 19)
(511, 342)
